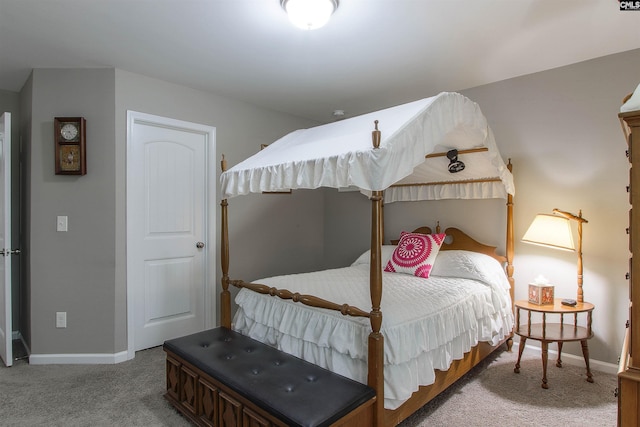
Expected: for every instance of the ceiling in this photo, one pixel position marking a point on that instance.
(372, 54)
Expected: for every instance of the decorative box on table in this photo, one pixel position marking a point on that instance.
(540, 294)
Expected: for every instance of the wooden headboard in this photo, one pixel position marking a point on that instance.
(459, 240)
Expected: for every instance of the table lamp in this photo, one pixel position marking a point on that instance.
(554, 231)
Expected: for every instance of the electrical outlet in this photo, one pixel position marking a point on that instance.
(61, 319)
(62, 223)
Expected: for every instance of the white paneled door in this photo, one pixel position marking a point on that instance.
(6, 352)
(170, 223)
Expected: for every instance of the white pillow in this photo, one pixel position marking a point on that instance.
(470, 265)
(365, 258)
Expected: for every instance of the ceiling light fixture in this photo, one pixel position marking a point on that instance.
(309, 14)
(338, 115)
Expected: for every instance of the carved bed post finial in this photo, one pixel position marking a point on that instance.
(376, 135)
(223, 164)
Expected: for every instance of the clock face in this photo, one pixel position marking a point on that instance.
(69, 131)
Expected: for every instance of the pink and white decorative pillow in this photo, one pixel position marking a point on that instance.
(415, 254)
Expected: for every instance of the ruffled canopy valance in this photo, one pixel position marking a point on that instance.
(409, 163)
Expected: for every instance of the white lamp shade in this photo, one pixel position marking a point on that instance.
(309, 14)
(550, 231)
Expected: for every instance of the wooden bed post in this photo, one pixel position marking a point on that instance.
(225, 295)
(376, 340)
(510, 250)
(382, 222)
(510, 234)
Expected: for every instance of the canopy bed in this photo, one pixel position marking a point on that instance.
(447, 318)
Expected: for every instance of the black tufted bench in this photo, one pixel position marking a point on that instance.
(221, 378)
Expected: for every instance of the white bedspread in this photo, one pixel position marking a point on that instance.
(427, 323)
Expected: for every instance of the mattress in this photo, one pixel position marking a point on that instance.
(427, 323)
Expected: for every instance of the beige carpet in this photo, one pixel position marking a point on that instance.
(130, 394)
(493, 395)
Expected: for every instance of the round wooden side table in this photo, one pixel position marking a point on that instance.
(555, 331)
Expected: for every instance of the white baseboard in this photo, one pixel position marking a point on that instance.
(596, 365)
(78, 359)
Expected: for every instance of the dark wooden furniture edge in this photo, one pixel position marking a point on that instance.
(199, 397)
(629, 370)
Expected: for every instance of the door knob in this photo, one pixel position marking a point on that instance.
(7, 252)
(200, 245)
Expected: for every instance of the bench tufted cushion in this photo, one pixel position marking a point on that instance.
(293, 390)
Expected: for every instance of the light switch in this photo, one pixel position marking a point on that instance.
(61, 319)
(62, 223)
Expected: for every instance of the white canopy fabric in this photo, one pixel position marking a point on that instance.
(341, 155)
(633, 103)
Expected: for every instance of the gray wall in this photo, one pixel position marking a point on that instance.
(562, 131)
(72, 271)
(83, 271)
(560, 128)
(24, 308)
(270, 234)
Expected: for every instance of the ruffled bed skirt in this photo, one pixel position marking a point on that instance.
(401, 380)
(426, 324)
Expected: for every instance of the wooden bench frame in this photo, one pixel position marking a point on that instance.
(207, 401)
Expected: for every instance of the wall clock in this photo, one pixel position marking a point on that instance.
(70, 145)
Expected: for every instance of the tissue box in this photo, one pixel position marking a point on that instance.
(540, 294)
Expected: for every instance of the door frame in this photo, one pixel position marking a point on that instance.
(6, 257)
(133, 118)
